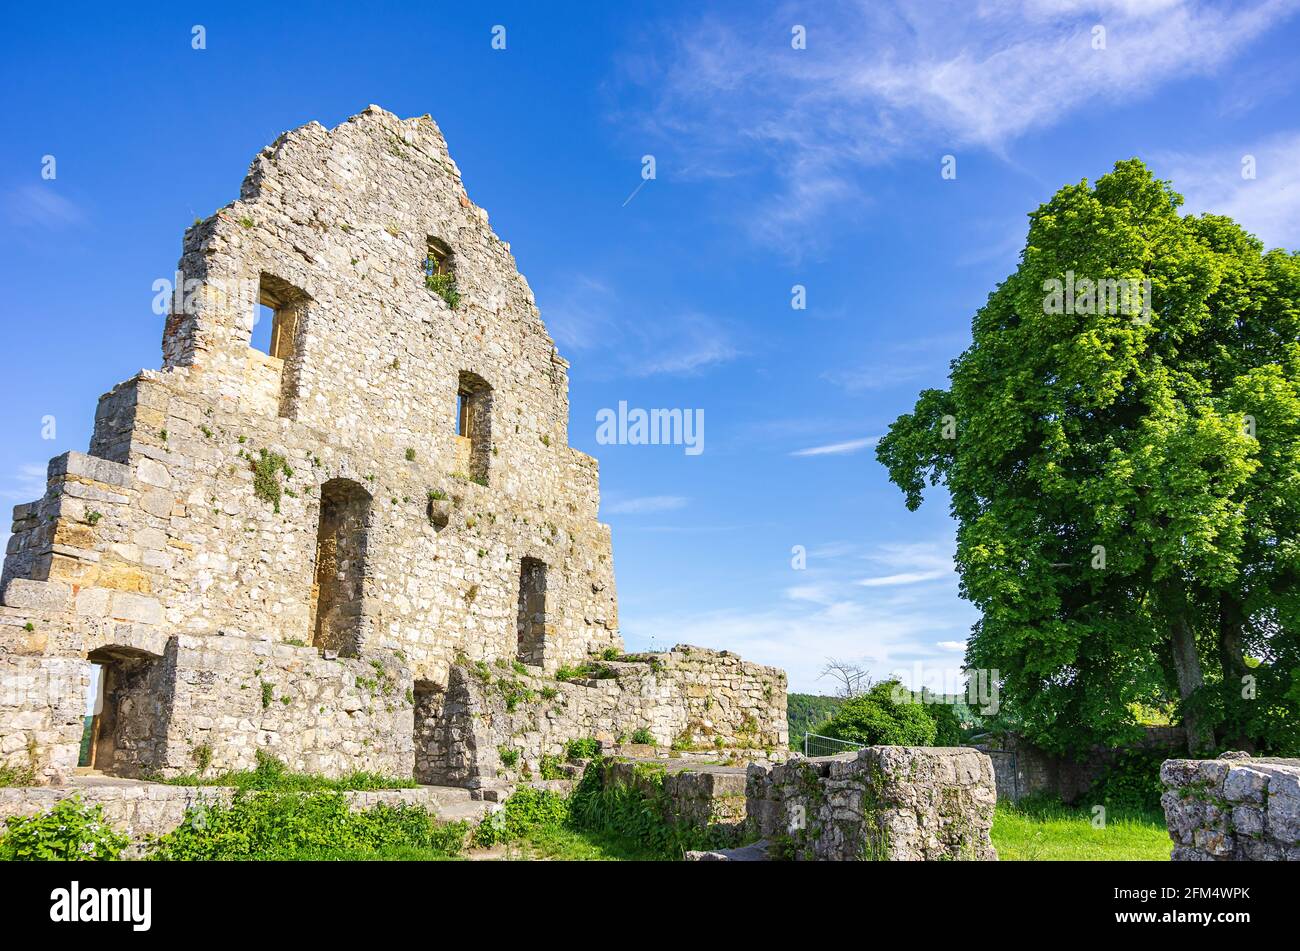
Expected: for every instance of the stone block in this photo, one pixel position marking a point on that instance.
(47, 597)
(127, 606)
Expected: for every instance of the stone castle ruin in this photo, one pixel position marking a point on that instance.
(366, 545)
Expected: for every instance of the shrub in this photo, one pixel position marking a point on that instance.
(509, 756)
(588, 671)
(642, 735)
(948, 728)
(266, 482)
(636, 813)
(444, 285)
(805, 711)
(527, 810)
(284, 825)
(71, 831)
(585, 748)
(272, 774)
(875, 718)
(17, 776)
(1132, 781)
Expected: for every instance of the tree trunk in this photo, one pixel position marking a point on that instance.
(1187, 665)
(1232, 658)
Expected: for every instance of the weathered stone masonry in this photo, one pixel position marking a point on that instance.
(1233, 808)
(291, 551)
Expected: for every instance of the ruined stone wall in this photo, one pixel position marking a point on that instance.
(488, 710)
(169, 509)
(42, 704)
(311, 516)
(725, 701)
(1238, 808)
(235, 696)
(1022, 769)
(881, 803)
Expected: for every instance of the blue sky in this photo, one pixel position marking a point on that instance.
(775, 166)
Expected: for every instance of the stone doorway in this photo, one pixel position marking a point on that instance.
(126, 723)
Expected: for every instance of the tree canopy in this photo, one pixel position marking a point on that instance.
(1121, 448)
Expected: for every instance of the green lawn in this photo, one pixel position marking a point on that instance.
(565, 844)
(1036, 831)
(1042, 831)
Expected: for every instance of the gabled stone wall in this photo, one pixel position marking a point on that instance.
(311, 517)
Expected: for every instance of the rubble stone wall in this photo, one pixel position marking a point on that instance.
(42, 709)
(1237, 808)
(491, 711)
(881, 803)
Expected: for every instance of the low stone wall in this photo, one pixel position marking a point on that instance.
(1022, 769)
(318, 715)
(493, 722)
(700, 796)
(143, 809)
(881, 803)
(1233, 808)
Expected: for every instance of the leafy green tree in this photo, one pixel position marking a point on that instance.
(1123, 470)
(878, 718)
(805, 710)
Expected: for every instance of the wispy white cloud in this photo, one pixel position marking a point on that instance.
(1267, 205)
(645, 504)
(589, 316)
(838, 448)
(895, 363)
(883, 79)
(951, 645)
(890, 630)
(903, 577)
(684, 344)
(25, 484)
(40, 206)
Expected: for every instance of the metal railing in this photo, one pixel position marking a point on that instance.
(816, 745)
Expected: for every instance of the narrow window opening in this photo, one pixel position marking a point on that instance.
(473, 427)
(440, 271)
(437, 259)
(340, 567)
(263, 324)
(93, 718)
(278, 318)
(532, 612)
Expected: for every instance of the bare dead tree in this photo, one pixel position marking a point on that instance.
(851, 678)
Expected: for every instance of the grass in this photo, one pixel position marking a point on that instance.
(565, 844)
(272, 775)
(1044, 830)
(391, 853)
